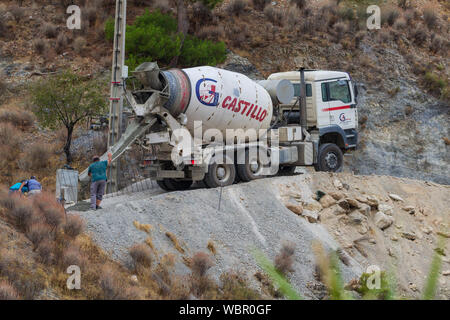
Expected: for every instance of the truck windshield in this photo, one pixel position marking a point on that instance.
(339, 90)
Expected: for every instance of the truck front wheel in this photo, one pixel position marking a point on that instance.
(330, 158)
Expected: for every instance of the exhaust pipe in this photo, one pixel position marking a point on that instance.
(303, 114)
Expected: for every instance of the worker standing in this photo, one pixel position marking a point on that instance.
(34, 186)
(97, 172)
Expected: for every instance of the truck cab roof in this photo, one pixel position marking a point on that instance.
(310, 75)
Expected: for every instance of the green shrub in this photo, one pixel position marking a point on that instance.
(154, 37)
(109, 29)
(202, 52)
(383, 293)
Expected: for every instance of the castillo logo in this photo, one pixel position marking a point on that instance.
(205, 89)
(343, 118)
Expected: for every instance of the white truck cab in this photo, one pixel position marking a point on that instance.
(330, 111)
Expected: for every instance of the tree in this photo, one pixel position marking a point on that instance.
(66, 99)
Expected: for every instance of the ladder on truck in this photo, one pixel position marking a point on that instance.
(118, 76)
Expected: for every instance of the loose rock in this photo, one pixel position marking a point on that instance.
(383, 221)
(410, 209)
(311, 216)
(337, 195)
(327, 201)
(356, 217)
(343, 203)
(364, 209)
(396, 197)
(409, 235)
(372, 201)
(295, 208)
(338, 184)
(386, 209)
(312, 206)
(353, 203)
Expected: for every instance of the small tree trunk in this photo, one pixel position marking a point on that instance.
(183, 25)
(68, 143)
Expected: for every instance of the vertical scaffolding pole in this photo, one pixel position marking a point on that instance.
(116, 98)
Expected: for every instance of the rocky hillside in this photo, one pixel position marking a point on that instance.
(368, 220)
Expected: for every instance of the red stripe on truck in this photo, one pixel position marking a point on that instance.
(336, 108)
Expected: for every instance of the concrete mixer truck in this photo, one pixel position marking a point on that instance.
(217, 126)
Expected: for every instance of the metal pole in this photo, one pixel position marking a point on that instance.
(116, 98)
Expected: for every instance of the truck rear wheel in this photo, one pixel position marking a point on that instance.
(330, 158)
(174, 185)
(178, 185)
(220, 175)
(162, 184)
(252, 168)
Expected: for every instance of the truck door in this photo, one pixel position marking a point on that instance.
(341, 107)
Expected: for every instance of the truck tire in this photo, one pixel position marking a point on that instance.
(174, 185)
(220, 175)
(330, 158)
(178, 185)
(162, 184)
(250, 170)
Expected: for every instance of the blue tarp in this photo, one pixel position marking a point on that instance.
(16, 187)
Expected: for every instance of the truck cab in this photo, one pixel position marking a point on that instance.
(331, 113)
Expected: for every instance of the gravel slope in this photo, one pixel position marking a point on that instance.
(251, 216)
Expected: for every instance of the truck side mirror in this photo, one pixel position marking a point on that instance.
(355, 90)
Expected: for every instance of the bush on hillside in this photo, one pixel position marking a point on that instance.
(19, 118)
(260, 4)
(37, 156)
(154, 37)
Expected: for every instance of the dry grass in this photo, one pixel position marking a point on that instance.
(73, 226)
(39, 232)
(17, 12)
(37, 156)
(72, 256)
(299, 3)
(147, 228)
(175, 242)
(50, 30)
(141, 255)
(7, 291)
(79, 45)
(419, 35)
(200, 264)
(274, 15)
(260, 4)
(211, 247)
(236, 7)
(431, 18)
(285, 259)
(40, 46)
(61, 43)
(90, 14)
(10, 146)
(20, 118)
(438, 44)
(390, 16)
(210, 33)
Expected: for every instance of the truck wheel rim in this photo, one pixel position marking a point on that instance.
(222, 173)
(331, 160)
(254, 166)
